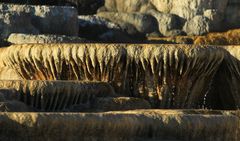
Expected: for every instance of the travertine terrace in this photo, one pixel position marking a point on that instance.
(120, 70)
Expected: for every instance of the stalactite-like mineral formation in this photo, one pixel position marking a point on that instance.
(169, 76)
(226, 84)
(57, 95)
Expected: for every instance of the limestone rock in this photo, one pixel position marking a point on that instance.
(57, 95)
(143, 23)
(11, 22)
(188, 9)
(85, 7)
(168, 76)
(166, 22)
(137, 125)
(120, 103)
(97, 28)
(7, 73)
(19, 38)
(37, 19)
(199, 25)
(216, 19)
(128, 6)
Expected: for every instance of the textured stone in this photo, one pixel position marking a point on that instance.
(85, 7)
(57, 95)
(97, 28)
(138, 125)
(127, 5)
(188, 9)
(166, 22)
(199, 25)
(41, 38)
(38, 19)
(169, 76)
(143, 23)
(11, 22)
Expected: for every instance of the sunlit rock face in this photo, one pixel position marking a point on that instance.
(226, 90)
(169, 76)
(57, 95)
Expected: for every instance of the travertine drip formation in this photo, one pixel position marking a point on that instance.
(226, 84)
(169, 76)
(57, 95)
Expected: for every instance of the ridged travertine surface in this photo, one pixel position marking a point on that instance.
(57, 95)
(139, 125)
(169, 76)
(226, 84)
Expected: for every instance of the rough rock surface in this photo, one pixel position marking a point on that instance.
(143, 23)
(37, 19)
(188, 9)
(138, 125)
(97, 28)
(166, 22)
(198, 25)
(84, 7)
(57, 95)
(19, 38)
(169, 76)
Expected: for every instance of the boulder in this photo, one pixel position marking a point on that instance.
(142, 22)
(85, 7)
(37, 19)
(188, 9)
(14, 22)
(198, 25)
(127, 5)
(167, 22)
(19, 38)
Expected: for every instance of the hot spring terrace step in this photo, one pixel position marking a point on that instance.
(139, 125)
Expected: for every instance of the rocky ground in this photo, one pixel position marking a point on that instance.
(87, 68)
